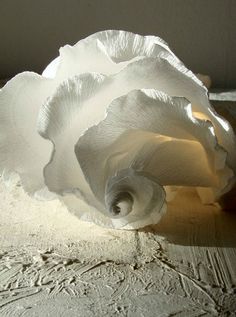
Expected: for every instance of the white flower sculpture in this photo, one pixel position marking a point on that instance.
(113, 127)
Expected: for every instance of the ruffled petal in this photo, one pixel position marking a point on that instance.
(62, 119)
(123, 46)
(72, 119)
(85, 57)
(22, 149)
(145, 130)
(105, 52)
(171, 77)
(111, 51)
(154, 73)
(125, 185)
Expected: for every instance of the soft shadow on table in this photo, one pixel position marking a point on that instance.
(190, 223)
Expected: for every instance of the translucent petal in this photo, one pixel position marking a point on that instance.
(145, 130)
(123, 46)
(110, 51)
(106, 52)
(175, 80)
(51, 70)
(71, 119)
(22, 149)
(62, 119)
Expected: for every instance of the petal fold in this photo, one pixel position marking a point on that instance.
(109, 52)
(62, 119)
(22, 149)
(145, 130)
(106, 52)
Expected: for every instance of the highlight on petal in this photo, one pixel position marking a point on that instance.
(171, 77)
(85, 56)
(105, 52)
(81, 102)
(109, 52)
(123, 46)
(62, 119)
(142, 131)
(51, 70)
(22, 150)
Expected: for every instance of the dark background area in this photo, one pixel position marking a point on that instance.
(202, 33)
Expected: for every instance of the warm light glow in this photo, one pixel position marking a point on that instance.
(200, 115)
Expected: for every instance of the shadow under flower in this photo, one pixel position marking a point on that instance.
(190, 223)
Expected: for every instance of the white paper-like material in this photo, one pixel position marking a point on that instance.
(113, 127)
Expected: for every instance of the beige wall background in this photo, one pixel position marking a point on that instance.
(201, 32)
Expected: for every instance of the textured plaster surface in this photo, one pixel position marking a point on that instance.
(52, 264)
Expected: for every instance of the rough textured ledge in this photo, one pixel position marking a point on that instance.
(184, 266)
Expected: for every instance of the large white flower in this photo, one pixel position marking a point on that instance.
(114, 126)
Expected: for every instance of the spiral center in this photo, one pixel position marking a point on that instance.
(116, 210)
(122, 204)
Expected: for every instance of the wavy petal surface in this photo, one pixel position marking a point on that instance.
(144, 130)
(106, 52)
(72, 119)
(122, 152)
(124, 46)
(22, 149)
(110, 51)
(62, 119)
